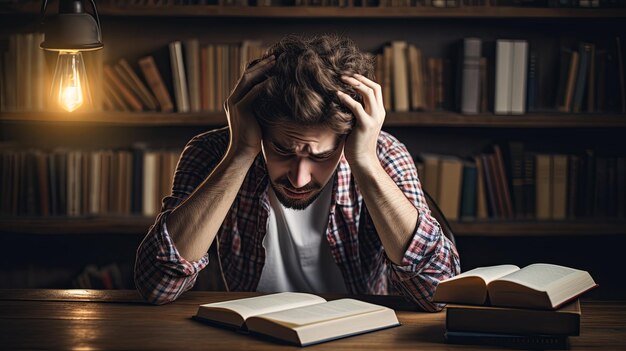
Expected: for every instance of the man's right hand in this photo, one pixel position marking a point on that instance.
(245, 133)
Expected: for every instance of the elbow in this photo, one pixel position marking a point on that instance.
(153, 295)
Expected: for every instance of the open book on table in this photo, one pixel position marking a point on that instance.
(541, 286)
(299, 318)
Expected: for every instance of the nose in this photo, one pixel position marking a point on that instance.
(299, 174)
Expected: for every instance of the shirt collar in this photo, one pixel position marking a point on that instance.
(342, 183)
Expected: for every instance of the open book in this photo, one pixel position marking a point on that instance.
(299, 318)
(541, 286)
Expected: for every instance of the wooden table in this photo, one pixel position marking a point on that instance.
(116, 319)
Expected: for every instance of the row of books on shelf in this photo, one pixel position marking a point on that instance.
(376, 3)
(184, 77)
(190, 76)
(73, 183)
(525, 185)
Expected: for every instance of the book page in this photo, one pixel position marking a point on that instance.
(487, 274)
(322, 312)
(253, 306)
(540, 275)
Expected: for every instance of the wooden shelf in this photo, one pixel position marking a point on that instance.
(32, 8)
(123, 225)
(139, 226)
(532, 228)
(418, 119)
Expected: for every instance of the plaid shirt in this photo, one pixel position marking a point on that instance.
(162, 274)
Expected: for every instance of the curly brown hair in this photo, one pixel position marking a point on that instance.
(302, 85)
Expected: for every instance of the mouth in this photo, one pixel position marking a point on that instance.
(297, 194)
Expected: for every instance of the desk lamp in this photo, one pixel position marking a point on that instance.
(69, 33)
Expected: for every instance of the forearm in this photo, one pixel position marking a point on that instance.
(160, 275)
(195, 222)
(394, 216)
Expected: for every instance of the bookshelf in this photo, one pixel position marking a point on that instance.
(131, 31)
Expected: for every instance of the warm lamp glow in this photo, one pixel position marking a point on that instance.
(69, 85)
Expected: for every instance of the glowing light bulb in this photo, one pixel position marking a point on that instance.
(69, 84)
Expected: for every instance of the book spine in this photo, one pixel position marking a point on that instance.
(504, 53)
(470, 86)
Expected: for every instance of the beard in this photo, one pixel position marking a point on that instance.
(308, 193)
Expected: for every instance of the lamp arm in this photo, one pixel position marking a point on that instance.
(95, 11)
(42, 12)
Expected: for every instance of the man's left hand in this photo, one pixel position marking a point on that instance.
(360, 147)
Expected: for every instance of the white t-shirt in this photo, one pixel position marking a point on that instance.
(297, 254)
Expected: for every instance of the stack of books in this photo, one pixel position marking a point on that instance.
(533, 307)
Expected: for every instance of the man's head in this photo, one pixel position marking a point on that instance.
(303, 122)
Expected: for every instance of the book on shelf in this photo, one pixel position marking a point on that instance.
(156, 82)
(469, 76)
(539, 286)
(510, 320)
(298, 318)
(116, 83)
(127, 73)
(511, 67)
(179, 77)
(541, 342)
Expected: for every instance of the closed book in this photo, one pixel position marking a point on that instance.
(430, 177)
(490, 190)
(400, 76)
(559, 187)
(516, 172)
(508, 320)
(470, 73)
(416, 71)
(518, 77)
(529, 185)
(570, 83)
(156, 82)
(544, 342)
(449, 193)
(193, 70)
(543, 190)
(123, 90)
(584, 52)
(532, 89)
(132, 79)
(387, 86)
(179, 77)
(504, 70)
(481, 196)
(468, 191)
(503, 181)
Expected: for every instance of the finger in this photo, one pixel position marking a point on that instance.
(378, 91)
(369, 99)
(251, 77)
(252, 93)
(353, 105)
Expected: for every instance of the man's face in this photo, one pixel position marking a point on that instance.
(300, 162)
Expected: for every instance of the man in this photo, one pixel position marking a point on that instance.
(302, 191)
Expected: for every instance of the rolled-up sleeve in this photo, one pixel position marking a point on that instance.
(161, 273)
(430, 256)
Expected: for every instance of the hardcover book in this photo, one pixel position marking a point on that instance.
(539, 286)
(298, 318)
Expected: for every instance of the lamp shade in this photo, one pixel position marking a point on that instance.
(72, 29)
